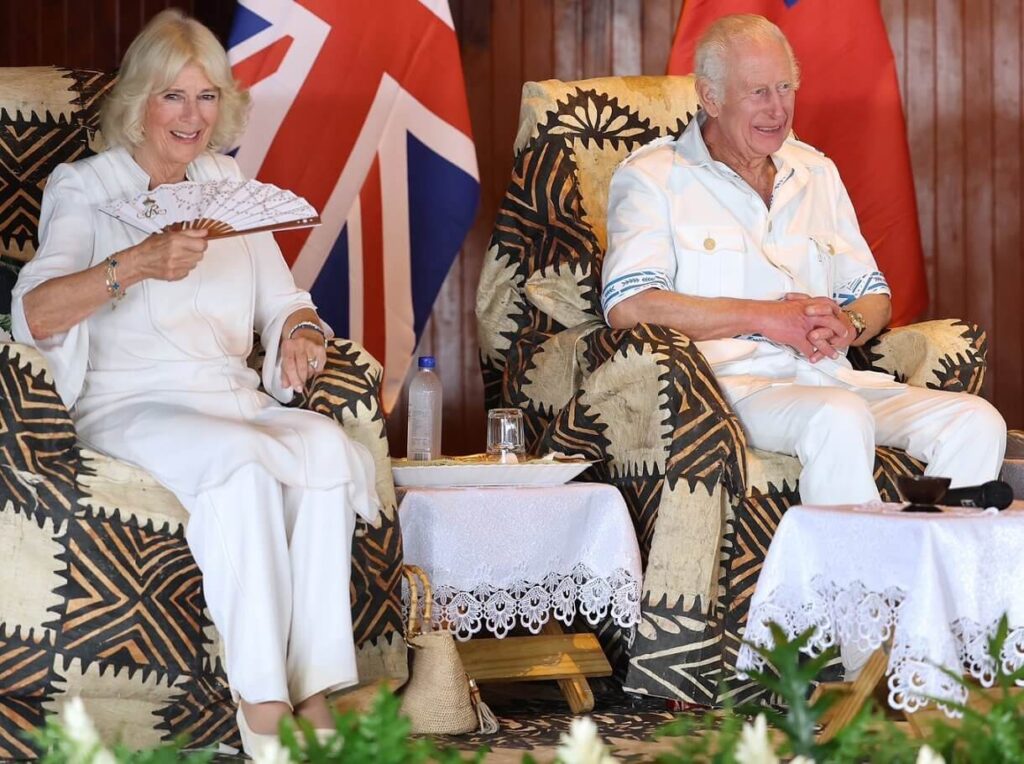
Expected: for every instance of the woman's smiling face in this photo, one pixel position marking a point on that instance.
(180, 120)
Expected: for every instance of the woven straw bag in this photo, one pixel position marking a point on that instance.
(439, 698)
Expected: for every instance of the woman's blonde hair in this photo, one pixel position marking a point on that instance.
(167, 44)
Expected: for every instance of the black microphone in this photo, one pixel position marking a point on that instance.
(994, 493)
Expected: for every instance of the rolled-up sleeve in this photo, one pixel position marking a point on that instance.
(640, 254)
(856, 273)
(66, 236)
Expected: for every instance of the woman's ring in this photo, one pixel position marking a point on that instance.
(313, 363)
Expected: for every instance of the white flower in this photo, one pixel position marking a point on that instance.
(755, 747)
(927, 756)
(102, 756)
(272, 753)
(87, 748)
(583, 745)
(77, 724)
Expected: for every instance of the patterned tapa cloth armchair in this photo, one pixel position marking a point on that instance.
(644, 402)
(99, 595)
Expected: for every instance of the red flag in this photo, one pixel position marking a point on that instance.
(849, 107)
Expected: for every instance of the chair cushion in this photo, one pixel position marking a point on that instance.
(601, 129)
(543, 268)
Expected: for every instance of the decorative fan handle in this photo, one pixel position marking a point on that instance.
(219, 230)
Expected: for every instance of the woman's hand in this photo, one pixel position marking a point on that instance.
(302, 357)
(165, 256)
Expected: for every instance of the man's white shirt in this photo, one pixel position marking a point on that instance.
(679, 220)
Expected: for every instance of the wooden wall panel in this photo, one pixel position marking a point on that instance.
(960, 68)
(90, 34)
(961, 73)
(918, 87)
(1008, 275)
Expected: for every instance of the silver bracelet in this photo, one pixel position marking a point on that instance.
(308, 325)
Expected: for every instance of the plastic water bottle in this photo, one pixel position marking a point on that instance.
(424, 435)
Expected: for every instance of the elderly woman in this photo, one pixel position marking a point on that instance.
(745, 239)
(148, 336)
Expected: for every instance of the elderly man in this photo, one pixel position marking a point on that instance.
(745, 239)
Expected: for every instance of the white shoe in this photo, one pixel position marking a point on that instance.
(324, 736)
(254, 743)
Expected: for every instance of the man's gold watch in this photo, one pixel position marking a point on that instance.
(857, 320)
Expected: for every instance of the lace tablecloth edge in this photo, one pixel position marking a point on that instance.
(866, 619)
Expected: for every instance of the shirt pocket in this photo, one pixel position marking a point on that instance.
(712, 260)
(823, 250)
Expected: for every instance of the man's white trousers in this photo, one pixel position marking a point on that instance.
(276, 562)
(834, 431)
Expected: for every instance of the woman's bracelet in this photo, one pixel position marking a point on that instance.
(114, 288)
(308, 325)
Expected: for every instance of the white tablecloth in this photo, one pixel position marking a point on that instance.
(501, 556)
(936, 584)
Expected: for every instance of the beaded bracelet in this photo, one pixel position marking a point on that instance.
(114, 288)
(308, 325)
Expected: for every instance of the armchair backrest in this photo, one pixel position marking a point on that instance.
(48, 115)
(542, 270)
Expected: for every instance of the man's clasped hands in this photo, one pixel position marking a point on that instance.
(814, 326)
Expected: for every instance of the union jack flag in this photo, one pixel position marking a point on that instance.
(360, 107)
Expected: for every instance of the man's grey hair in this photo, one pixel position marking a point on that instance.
(711, 61)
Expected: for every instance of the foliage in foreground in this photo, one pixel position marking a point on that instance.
(991, 734)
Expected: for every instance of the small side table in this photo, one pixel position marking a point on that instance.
(533, 557)
(909, 599)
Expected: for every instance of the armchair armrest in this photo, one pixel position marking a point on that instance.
(647, 401)
(348, 391)
(946, 354)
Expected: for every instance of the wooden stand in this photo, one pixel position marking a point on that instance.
(552, 654)
(853, 695)
(872, 681)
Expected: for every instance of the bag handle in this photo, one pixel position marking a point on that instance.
(417, 577)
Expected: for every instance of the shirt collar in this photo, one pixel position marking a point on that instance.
(693, 149)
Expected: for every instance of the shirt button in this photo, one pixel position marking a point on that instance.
(769, 226)
(709, 244)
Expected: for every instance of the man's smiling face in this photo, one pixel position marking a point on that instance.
(755, 113)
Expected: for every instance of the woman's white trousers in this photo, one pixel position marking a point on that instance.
(276, 562)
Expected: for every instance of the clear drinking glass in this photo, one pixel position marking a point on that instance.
(505, 434)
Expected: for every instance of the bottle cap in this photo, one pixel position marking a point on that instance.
(427, 362)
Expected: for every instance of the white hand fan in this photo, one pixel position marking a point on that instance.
(224, 207)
